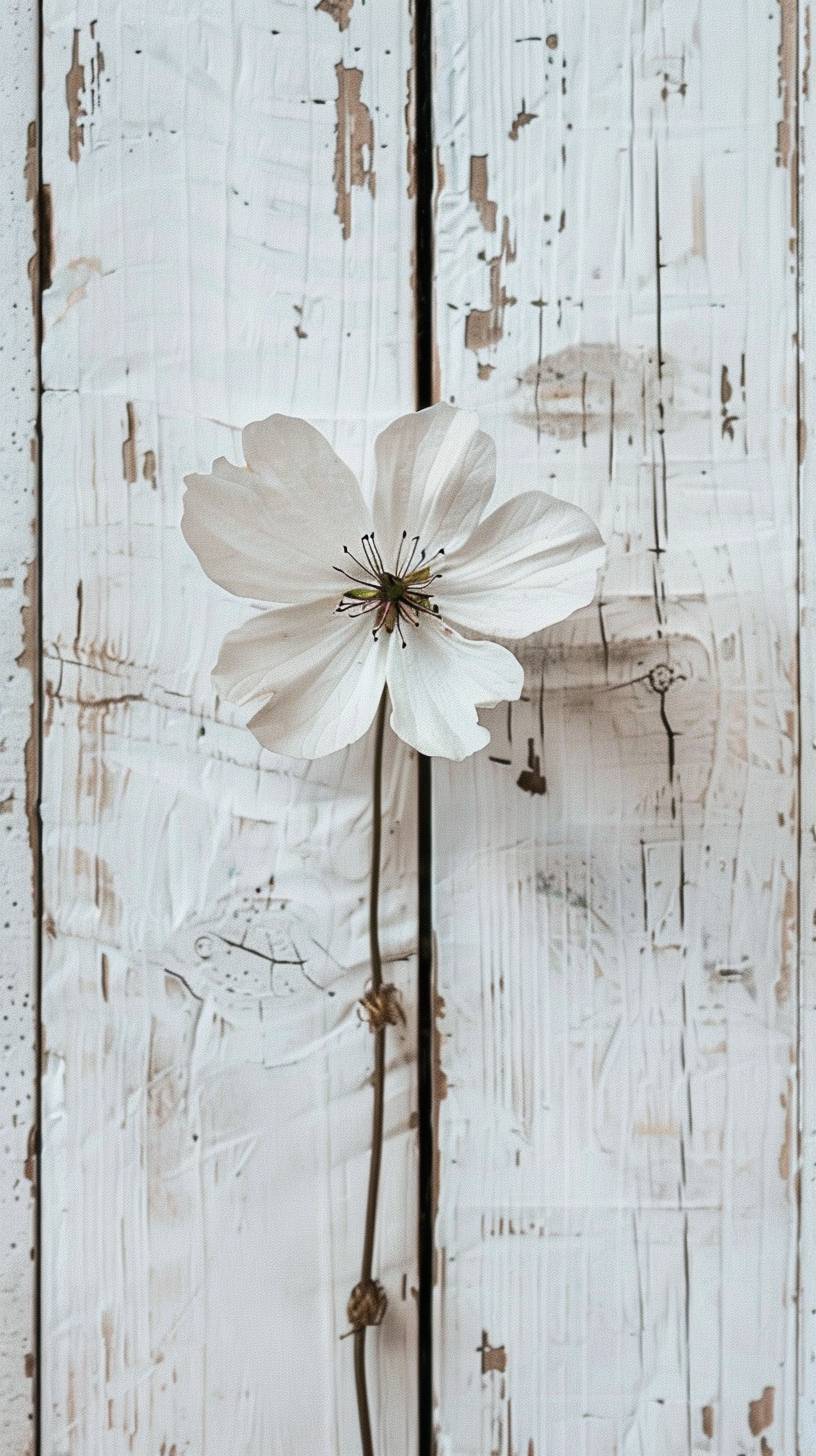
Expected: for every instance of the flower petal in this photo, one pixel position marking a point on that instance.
(292, 456)
(436, 683)
(275, 531)
(530, 563)
(220, 524)
(435, 474)
(314, 677)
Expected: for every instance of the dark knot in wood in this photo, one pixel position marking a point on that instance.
(381, 1007)
(367, 1304)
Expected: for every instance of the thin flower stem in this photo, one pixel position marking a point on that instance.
(378, 1083)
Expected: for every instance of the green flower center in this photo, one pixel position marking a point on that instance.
(393, 598)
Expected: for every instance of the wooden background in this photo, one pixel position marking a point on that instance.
(207, 214)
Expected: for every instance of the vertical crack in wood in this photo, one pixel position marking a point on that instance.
(425, 396)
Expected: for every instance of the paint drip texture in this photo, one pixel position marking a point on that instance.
(397, 592)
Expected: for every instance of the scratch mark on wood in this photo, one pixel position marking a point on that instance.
(27, 659)
(30, 1164)
(80, 596)
(531, 779)
(129, 446)
(74, 88)
(784, 1162)
(761, 1411)
(484, 327)
(786, 81)
(726, 391)
(440, 1090)
(661, 412)
(494, 1357)
(409, 115)
(354, 152)
(339, 10)
(521, 119)
(787, 152)
(478, 193)
(31, 162)
(788, 929)
(698, 222)
(97, 872)
(97, 71)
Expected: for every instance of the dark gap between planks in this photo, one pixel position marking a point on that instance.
(424, 374)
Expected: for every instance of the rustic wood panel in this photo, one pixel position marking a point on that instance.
(807, 737)
(18, 720)
(232, 229)
(617, 882)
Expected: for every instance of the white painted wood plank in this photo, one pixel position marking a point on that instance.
(807, 739)
(18, 721)
(617, 1222)
(232, 231)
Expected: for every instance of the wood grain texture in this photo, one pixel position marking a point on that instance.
(807, 737)
(18, 722)
(617, 885)
(232, 235)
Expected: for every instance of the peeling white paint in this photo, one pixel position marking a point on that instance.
(207, 1140)
(617, 956)
(18, 744)
(618, 953)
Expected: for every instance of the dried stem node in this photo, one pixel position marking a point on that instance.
(367, 1304)
(381, 1007)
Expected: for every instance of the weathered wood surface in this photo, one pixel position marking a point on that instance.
(806, 1363)
(18, 721)
(617, 1227)
(232, 230)
(620, 1262)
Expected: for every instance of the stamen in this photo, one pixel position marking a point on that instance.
(356, 608)
(420, 606)
(395, 597)
(366, 569)
(414, 544)
(371, 560)
(358, 580)
(377, 557)
(399, 553)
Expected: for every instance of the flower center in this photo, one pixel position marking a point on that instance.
(392, 597)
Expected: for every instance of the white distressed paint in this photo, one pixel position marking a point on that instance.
(807, 738)
(207, 1105)
(618, 1174)
(18, 751)
(617, 956)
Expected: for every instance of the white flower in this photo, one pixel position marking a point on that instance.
(372, 596)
